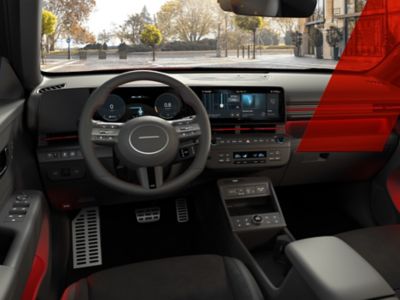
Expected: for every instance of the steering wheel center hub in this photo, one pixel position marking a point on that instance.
(149, 139)
(147, 142)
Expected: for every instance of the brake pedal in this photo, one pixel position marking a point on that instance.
(182, 212)
(148, 215)
(86, 239)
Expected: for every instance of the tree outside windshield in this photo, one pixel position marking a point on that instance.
(86, 35)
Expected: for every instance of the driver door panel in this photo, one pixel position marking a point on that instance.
(22, 207)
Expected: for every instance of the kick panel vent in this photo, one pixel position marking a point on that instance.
(86, 241)
(52, 88)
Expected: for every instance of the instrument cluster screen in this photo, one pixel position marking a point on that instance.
(243, 104)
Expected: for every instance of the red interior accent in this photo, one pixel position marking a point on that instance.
(393, 187)
(296, 128)
(300, 109)
(346, 135)
(40, 264)
(60, 138)
(358, 111)
(231, 129)
(244, 129)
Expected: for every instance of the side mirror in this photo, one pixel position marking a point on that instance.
(270, 8)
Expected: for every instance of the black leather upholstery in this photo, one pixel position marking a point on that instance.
(380, 246)
(203, 277)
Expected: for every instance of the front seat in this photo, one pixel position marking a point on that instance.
(202, 277)
(380, 246)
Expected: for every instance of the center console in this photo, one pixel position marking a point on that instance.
(314, 268)
(248, 127)
(253, 209)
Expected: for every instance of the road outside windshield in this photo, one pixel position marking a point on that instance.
(87, 35)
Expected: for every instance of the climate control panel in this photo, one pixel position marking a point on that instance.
(249, 151)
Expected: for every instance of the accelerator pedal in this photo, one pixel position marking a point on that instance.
(182, 212)
(86, 239)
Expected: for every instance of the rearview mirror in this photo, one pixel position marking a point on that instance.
(270, 8)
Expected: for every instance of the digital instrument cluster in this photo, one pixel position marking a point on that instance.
(119, 108)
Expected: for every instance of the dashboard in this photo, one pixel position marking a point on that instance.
(257, 120)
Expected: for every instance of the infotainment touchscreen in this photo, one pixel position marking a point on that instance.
(250, 105)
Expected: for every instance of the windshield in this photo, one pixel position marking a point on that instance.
(87, 35)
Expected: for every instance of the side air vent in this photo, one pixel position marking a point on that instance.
(52, 88)
(86, 242)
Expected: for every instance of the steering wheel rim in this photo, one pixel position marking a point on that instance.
(98, 98)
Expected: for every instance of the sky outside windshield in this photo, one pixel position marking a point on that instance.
(85, 35)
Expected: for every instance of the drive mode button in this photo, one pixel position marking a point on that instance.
(257, 219)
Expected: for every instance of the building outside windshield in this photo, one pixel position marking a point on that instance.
(90, 35)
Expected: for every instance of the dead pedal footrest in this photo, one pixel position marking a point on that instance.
(86, 239)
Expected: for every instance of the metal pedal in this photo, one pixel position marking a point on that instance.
(182, 212)
(86, 239)
(148, 215)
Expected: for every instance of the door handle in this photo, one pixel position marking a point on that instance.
(3, 161)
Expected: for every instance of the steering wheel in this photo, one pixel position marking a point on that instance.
(146, 144)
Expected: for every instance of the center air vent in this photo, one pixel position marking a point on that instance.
(52, 88)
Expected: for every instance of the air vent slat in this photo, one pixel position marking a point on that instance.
(51, 88)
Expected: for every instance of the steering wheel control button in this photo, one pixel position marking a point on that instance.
(188, 131)
(187, 128)
(187, 152)
(104, 133)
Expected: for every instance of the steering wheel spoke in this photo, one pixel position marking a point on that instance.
(104, 133)
(150, 177)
